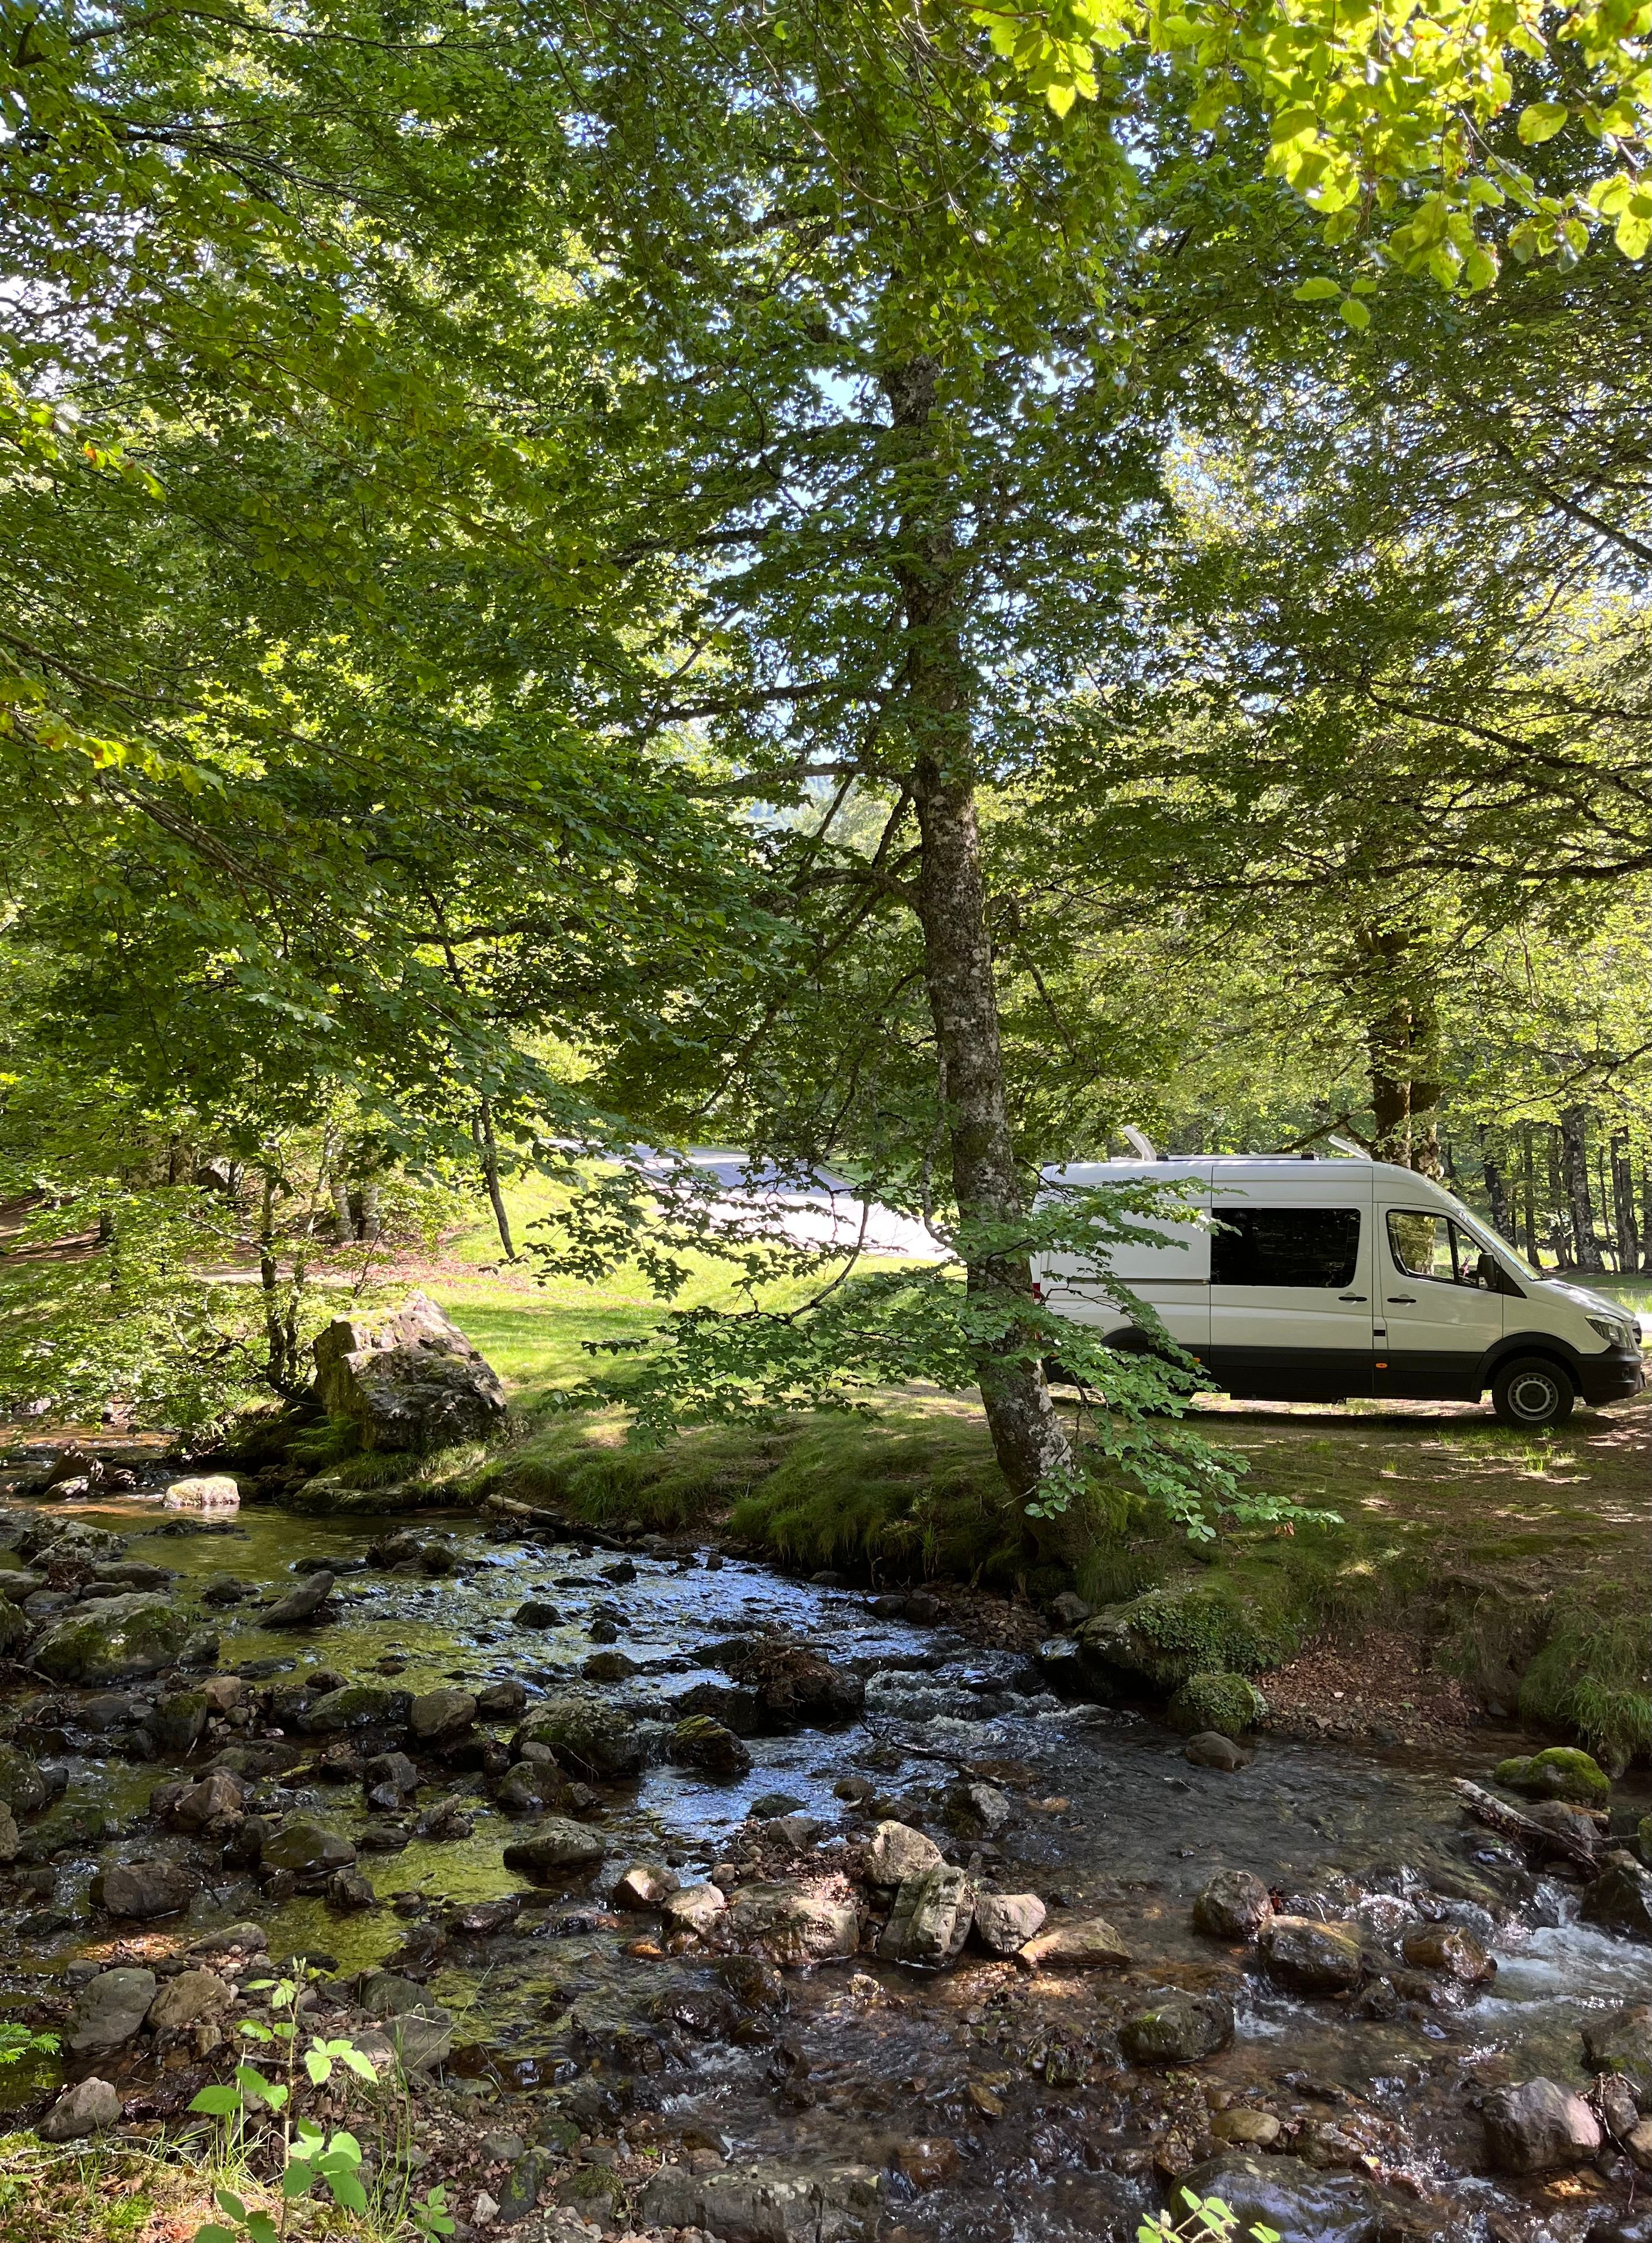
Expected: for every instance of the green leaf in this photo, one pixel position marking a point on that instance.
(1542, 120)
(347, 2191)
(1632, 235)
(319, 2066)
(1317, 291)
(1355, 313)
(297, 2178)
(216, 2102)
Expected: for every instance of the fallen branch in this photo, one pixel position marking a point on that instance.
(550, 1522)
(1511, 1824)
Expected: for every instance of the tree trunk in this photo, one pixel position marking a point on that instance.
(1559, 1240)
(1529, 1179)
(1628, 1243)
(486, 1148)
(1027, 1436)
(1574, 1160)
(1402, 1054)
(279, 1334)
(1496, 1187)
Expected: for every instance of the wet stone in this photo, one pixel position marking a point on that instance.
(700, 1741)
(1177, 2028)
(441, 1714)
(1005, 1921)
(1448, 1949)
(1622, 2044)
(1621, 1897)
(1539, 2128)
(110, 2011)
(795, 1923)
(897, 1851)
(1086, 1943)
(86, 2109)
(307, 1847)
(1312, 1958)
(556, 1845)
(1234, 1905)
(191, 1999)
(930, 1921)
(143, 1889)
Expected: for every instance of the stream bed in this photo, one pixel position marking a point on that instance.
(982, 2101)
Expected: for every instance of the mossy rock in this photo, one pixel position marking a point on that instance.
(1561, 1772)
(1169, 1634)
(1229, 1704)
(592, 1739)
(112, 1641)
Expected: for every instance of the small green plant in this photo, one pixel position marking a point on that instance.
(309, 2153)
(17, 2041)
(1206, 2220)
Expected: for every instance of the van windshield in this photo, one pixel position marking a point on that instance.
(1490, 1239)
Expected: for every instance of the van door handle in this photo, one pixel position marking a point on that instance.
(1394, 1298)
(1351, 1296)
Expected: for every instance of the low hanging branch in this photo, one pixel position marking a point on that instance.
(1511, 1824)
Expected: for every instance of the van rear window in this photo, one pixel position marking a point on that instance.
(1309, 1246)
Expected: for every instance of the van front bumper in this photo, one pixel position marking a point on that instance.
(1610, 1377)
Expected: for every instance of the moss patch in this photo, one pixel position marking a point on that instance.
(1230, 1704)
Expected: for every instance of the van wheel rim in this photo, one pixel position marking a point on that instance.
(1534, 1396)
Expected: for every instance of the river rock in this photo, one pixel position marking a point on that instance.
(795, 1923)
(609, 1666)
(356, 1706)
(1561, 1772)
(1231, 1705)
(645, 1884)
(219, 1793)
(111, 2010)
(1234, 1905)
(193, 1997)
(699, 1741)
(213, 1492)
(694, 1908)
(299, 1605)
(1621, 2043)
(179, 1722)
(1079, 1942)
(764, 2204)
(307, 1847)
(25, 1786)
(1166, 1634)
(1211, 1749)
(14, 1629)
(1286, 2194)
(1448, 1949)
(897, 1851)
(978, 1810)
(535, 1612)
(930, 1921)
(555, 1846)
(500, 1699)
(10, 1838)
(1005, 1921)
(438, 1715)
(409, 1380)
(110, 1640)
(1539, 2128)
(793, 1684)
(1621, 1897)
(1177, 2028)
(86, 2109)
(144, 1888)
(391, 1773)
(590, 1737)
(419, 2030)
(529, 1787)
(1312, 1957)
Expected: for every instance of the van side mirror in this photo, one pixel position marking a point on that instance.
(1488, 1273)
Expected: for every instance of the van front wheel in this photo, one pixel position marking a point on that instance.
(1532, 1391)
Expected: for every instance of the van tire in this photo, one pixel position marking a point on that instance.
(1532, 1391)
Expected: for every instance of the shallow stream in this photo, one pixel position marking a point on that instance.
(1043, 2130)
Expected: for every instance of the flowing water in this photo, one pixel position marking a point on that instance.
(1002, 2097)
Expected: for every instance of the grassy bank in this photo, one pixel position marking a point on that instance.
(1520, 1563)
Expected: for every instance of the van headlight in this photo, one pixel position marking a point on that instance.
(1615, 1334)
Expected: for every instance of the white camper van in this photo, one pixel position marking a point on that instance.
(1319, 1278)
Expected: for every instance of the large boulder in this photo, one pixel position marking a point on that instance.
(1312, 1957)
(930, 1921)
(814, 1922)
(110, 2011)
(83, 2110)
(1234, 1905)
(1561, 1772)
(111, 1640)
(1230, 1705)
(590, 1738)
(1167, 1634)
(144, 1888)
(1539, 2128)
(1621, 2043)
(410, 1379)
(555, 1846)
(1621, 1897)
(1177, 2028)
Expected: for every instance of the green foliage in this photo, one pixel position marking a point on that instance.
(1593, 1675)
(1230, 1704)
(19, 2044)
(1207, 2219)
(1558, 1772)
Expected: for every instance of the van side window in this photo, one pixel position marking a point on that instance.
(1307, 1246)
(1434, 1246)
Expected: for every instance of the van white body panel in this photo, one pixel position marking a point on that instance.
(1317, 1279)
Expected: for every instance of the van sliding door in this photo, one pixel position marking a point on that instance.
(1290, 1293)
